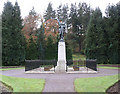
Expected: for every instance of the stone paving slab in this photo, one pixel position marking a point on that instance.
(59, 85)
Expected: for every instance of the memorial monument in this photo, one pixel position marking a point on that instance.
(61, 63)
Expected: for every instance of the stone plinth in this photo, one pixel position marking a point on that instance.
(61, 64)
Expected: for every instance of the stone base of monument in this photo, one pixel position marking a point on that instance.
(61, 64)
(61, 67)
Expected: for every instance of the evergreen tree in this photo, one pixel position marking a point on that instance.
(65, 13)
(62, 13)
(18, 36)
(78, 22)
(84, 12)
(50, 52)
(68, 52)
(32, 50)
(50, 13)
(102, 47)
(59, 12)
(95, 38)
(13, 40)
(72, 27)
(41, 43)
(102, 37)
(73, 14)
(83, 16)
(6, 32)
(113, 28)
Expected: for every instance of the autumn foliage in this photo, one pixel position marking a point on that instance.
(31, 24)
(51, 28)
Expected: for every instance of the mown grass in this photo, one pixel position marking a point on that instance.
(110, 64)
(96, 84)
(78, 57)
(23, 84)
(4, 69)
(106, 67)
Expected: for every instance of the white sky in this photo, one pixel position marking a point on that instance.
(41, 5)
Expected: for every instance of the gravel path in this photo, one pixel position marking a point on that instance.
(59, 82)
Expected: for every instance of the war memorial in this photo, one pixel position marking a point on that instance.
(61, 65)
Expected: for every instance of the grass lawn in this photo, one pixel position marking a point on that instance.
(95, 84)
(78, 57)
(106, 67)
(23, 84)
(4, 69)
(110, 64)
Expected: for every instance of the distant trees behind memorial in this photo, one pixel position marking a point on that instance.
(103, 36)
(89, 33)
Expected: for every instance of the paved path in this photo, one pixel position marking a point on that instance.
(58, 82)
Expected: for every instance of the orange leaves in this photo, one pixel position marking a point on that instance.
(51, 28)
(31, 23)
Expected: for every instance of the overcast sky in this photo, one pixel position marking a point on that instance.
(41, 5)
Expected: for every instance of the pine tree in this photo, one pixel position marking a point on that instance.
(62, 13)
(32, 50)
(73, 14)
(13, 40)
(49, 48)
(84, 12)
(59, 12)
(68, 52)
(95, 38)
(19, 40)
(78, 23)
(41, 42)
(72, 25)
(50, 13)
(113, 28)
(102, 47)
(65, 13)
(6, 32)
(83, 16)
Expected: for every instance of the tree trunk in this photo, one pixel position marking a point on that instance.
(80, 46)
